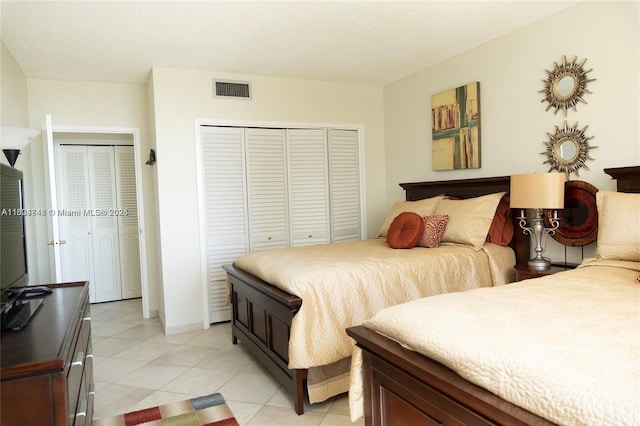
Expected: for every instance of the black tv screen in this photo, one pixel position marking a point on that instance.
(13, 250)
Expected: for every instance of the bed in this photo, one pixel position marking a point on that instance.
(268, 312)
(561, 349)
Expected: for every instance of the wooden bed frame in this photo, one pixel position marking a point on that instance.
(404, 387)
(262, 314)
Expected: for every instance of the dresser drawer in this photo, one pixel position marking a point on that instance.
(80, 367)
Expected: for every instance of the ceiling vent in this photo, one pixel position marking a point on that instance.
(232, 89)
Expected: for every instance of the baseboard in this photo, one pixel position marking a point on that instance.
(183, 328)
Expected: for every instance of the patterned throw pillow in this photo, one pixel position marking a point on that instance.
(434, 227)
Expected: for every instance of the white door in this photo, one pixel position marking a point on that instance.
(344, 185)
(98, 224)
(127, 217)
(308, 186)
(226, 229)
(266, 188)
(104, 224)
(74, 220)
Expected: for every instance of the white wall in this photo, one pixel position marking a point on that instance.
(514, 123)
(74, 103)
(181, 96)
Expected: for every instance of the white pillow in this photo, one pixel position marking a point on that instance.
(469, 219)
(618, 226)
(422, 207)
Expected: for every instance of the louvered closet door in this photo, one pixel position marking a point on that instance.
(308, 186)
(104, 225)
(225, 210)
(344, 185)
(266, 188)
(127, 217)
(76, 252)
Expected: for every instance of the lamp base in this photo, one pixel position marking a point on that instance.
(539, 263)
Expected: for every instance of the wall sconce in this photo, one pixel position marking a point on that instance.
(538, 191)
(152, 158)
(14, 139)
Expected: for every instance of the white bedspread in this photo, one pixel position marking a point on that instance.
(565, 347)
(346, 283)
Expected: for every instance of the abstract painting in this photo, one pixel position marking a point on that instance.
(455, 128)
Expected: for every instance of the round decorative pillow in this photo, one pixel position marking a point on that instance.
(405, 230)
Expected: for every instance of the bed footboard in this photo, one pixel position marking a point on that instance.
(261, 321)
(404, 387)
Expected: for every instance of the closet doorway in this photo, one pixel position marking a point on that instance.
(96, 197)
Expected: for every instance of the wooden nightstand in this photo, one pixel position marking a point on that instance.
(523, 272)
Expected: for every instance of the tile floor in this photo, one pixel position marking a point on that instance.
(136, 366)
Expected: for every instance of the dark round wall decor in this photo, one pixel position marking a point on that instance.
(579, 218)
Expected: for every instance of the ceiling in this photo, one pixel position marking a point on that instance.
(355, 42)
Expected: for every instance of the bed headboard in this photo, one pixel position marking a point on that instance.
(628, 178)
(468, 188)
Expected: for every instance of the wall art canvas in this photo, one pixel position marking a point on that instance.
(455, 128)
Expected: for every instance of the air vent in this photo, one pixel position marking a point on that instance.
(232, 89)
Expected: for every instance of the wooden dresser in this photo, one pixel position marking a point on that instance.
(47, 367)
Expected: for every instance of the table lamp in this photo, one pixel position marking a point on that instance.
(538, 191)
(14, 139)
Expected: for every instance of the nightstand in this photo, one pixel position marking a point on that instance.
(523, 272)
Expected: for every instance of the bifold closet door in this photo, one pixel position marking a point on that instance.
(76, 253)
(104, 224)
(98, 220)
(344, 185)
(226, 227)
(127, 217)
(308, 186)
(267, 188)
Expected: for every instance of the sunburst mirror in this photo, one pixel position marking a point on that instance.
(566, 85)
(567, 149)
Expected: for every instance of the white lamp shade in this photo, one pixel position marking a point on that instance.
(16, 137)
(537, 191)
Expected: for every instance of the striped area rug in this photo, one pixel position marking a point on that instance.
(210, 410)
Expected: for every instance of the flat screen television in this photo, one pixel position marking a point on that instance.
(13, 251)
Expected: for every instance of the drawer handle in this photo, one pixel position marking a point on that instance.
(79, 360)
(82, 409)
(88, 318)
(92, 389)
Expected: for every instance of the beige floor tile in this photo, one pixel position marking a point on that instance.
(340, 420)
(257, 389)
(270, 416)
(233, 359)
(243, 411)
(114, 399)
(109, 370)
(177, 339)
(152, 376)
(112, 346)
(141, 332)
(109, 329)
(199, 381)
(146, 351)
(136, 366)
(187, 356)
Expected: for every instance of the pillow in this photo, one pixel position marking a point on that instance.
(405, 230)
(422, 207)
(434, 227)
(501, 229)
(618, 226)
(469, 219)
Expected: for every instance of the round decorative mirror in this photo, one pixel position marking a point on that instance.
(568, 149)
(579, 218)
(566, 85)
